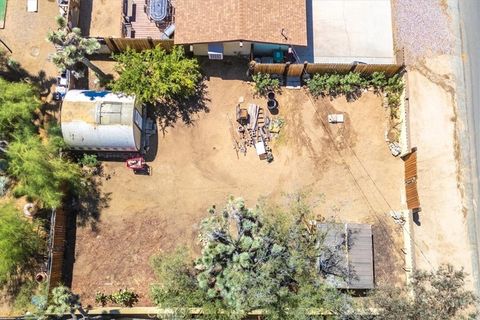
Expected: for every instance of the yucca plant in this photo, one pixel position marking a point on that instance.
(72, 47)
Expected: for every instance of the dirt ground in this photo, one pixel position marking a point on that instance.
(25, 34)
(101, 18)
(347, 166)
(441, 235)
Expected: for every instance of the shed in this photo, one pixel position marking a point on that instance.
(348, 254)
(102, 121)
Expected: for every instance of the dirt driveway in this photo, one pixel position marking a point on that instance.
(196, 167)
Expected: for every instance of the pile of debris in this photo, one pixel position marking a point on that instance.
(254, 129)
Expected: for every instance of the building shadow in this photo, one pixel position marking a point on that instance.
(151, 154)
(86, 7)
(307, 53)
(230, 68)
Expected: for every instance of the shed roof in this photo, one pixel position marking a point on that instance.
(98, 120)
(248, 20)
(353, 245)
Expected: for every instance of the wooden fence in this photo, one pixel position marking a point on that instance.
(297, 70)
(410, 161)
(117, 45)
(56, 250)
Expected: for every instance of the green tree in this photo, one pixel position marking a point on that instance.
(72, 47)
(20, 244)
(40, 171)
(155, 75)
(18, 102)
(251, 259)
(437, 295)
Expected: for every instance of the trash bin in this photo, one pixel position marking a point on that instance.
(277, 56)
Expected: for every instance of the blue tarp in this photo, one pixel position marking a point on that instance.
(215, 48)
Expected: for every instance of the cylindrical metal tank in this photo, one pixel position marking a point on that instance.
(101, 121)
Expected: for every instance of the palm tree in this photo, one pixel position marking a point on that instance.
(72, 47)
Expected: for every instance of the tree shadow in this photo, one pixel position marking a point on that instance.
(14, 72)
(177, 108)
(89, 202)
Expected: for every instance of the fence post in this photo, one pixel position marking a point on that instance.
(354, 67)
(150, 42)
(304, 70)
(112, 45)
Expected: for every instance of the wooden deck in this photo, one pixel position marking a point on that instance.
(142, 26)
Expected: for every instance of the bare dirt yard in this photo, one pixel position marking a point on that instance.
(101, 18)
(25, 34)
(347, 169)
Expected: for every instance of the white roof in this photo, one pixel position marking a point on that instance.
(98, 120)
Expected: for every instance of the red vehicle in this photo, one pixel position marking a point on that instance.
(138, 165)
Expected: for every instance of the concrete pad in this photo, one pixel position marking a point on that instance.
(343, 31)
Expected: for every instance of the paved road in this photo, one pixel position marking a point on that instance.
(470, 26)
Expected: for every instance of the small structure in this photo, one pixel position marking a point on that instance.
(347, 254)
(104, 121)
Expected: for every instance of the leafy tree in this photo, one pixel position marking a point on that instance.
(251, 259)
(437, 295)
(265, 83)
(18, 102)
(20, 244)
(72, 47)
(39, 170)
(156, 75)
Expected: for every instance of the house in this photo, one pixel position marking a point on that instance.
(104, 121)
(240, 27)
(218, 28)
(347, 254)
(316, 31)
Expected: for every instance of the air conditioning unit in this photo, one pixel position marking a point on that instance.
(215, 55)
(215, 51)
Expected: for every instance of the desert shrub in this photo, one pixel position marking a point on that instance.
(378, 80)
(28, 295)
(318, 84)
(124, 297)
(89, 160)
(438, 294)
(265, 83)
(101, 298)
(20, 244)
(350, 84)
